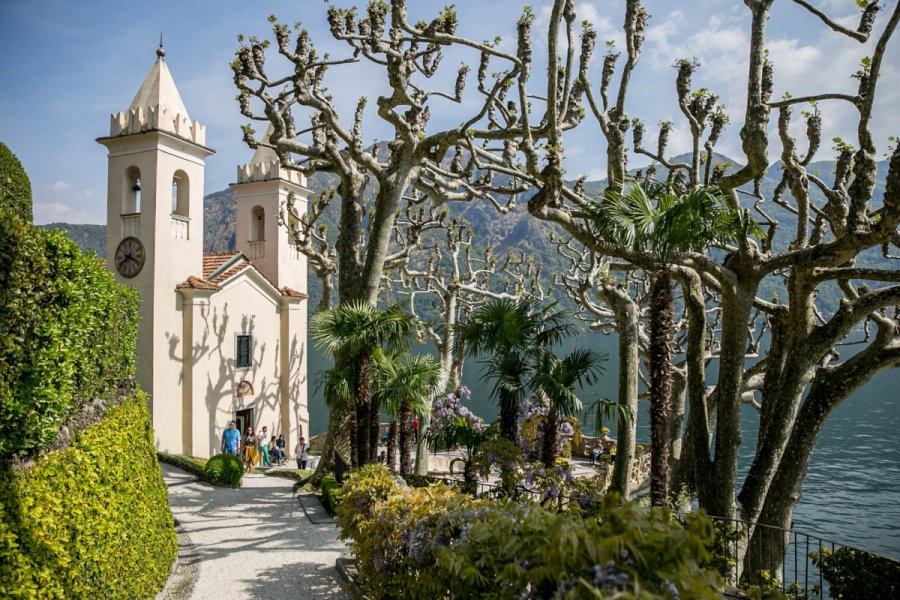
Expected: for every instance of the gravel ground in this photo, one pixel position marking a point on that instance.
(252, 542)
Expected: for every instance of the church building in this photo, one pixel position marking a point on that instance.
(222, 336)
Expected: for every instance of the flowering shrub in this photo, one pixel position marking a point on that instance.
(434, 542)
(503, 454)
(449, 409)
(532, 417)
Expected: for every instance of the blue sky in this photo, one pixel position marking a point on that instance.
(68, 65)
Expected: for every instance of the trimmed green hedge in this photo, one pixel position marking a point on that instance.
(224, 469)
(91, 521)
(67, 334)
(191, 464)
(15, 187)
(331, 493)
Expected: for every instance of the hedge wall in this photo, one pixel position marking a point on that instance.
(91, 521)
(67, 334)
(15, 187)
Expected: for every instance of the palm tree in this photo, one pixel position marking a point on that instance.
(337, 388)
(554, 379)
(511, 332)
(401, 387)
(658, 220)
(357, 331)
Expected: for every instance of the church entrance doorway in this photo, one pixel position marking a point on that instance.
(244, 419)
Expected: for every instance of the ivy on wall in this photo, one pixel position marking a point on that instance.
(91, 521)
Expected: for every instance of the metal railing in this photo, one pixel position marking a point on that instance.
(762, 555)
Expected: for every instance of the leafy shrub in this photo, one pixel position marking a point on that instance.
(91, 521)
(67, 334)
(418, 481)
(15, 188)
(853, 573)
(434, 542)
(191, 464)
(331, 493)
(224, 469)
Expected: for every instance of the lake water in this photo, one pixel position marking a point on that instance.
(851, 494)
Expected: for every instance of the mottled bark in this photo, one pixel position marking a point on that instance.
(831, 386)
(695, 460)
(627, 316)
(719, 496)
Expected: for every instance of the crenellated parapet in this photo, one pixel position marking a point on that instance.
(268, 170)
(138, 119)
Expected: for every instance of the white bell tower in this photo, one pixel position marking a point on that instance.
(263, 187)
(155, 228)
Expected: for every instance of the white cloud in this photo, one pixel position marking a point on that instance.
(60, 201)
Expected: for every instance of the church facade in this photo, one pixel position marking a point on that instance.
(222, 336)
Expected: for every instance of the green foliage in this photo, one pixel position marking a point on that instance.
(434, 542)
(67, 334)
(191, 464)
(224, 469)
(853, 573)
(362, 490)
(659, 220)
(419, 481)
(91, 521)
(331, 493)
(15, 187)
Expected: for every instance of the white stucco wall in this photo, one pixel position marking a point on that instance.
(245, 305)
(172, 255)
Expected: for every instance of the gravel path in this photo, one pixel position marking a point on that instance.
(252, 542)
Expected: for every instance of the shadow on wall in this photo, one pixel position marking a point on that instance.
(215, 349)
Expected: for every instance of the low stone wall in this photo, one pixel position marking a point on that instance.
(640, 474)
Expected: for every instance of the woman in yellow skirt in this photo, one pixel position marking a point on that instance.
(251, 453)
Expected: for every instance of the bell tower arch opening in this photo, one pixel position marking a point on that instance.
(131, 196)
(257, 231)
(181, 205)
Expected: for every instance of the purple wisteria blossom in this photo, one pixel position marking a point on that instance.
(448, 408)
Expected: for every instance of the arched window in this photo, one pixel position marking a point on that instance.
(131, 198)
(258, 224)
(180, 194)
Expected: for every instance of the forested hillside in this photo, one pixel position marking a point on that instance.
(515, 231)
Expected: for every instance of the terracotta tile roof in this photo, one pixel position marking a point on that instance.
(286, 291)
(214, 261)
(198, 284)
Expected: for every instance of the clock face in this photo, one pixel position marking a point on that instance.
(130, 257)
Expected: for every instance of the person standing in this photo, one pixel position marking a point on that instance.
(250, 450)
(415, 426)
(262, 442)
(281, 444)
(302, 453)
(231, 440)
